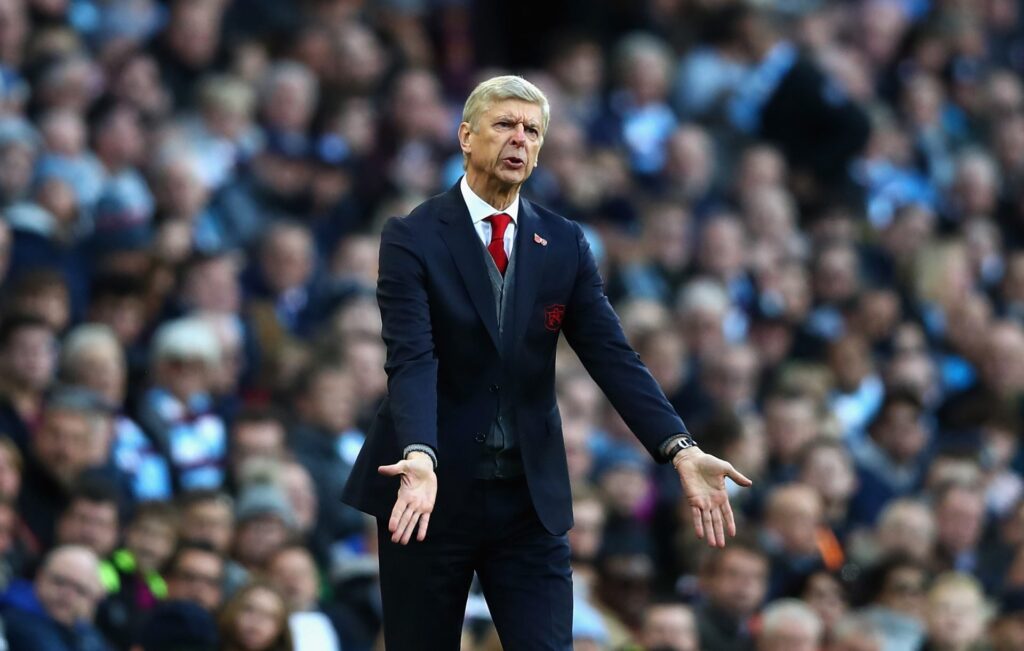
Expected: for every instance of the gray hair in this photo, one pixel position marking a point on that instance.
(85, 338)
(283, 70)
(702, 294)
(188, 337)
(497, 89)
(784, 612)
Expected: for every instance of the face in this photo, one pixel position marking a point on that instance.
(184, 377)
(825, 595)
(333, 401)
(954, 617)
(258, 538)
(830, 472)
(66, 444)
(294, 574)
(901, 433)
(102, 370)
(789, 425)
(91, 524)
(152, 542)
(586, 534)
(259, 620)
(504, 144)
(287, 259)
(959, 519)
(791, 636)
(795, 518)
(298, 487)
(210, 522)
(68, 588)
(670, 627)
(256, 440)
(739, 583)
(904, 591)
(31, 358)
(10, 476)
(197, 577)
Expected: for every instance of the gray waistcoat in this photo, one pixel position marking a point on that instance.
(501, 457)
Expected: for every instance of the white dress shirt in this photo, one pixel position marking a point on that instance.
(479, 210)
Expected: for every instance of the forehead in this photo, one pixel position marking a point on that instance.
(514, 108)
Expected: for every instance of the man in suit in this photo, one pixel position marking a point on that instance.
(475, 286)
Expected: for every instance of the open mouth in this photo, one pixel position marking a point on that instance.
(513, 162)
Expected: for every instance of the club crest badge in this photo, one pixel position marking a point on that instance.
(553, 315)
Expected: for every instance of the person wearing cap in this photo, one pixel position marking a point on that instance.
(264, 523)
(176, 411)
(465, 466)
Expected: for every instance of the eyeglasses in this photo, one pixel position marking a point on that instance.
(67, 583)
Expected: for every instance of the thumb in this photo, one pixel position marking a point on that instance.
(392, 470)
(738, 477)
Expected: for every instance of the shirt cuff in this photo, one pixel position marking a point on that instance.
(421, 447)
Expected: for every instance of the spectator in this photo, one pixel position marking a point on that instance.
(264, 524)
(196, 574)
(789, 625)
(255, 619)
(28, 357)
(955, 613)
(91, 518)
(896, 590)
(734, 581)
(56, 611)
(293, 572)
(670, 626)
(175, 625)
(175, 411)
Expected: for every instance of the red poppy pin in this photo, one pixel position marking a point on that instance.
(553, 315)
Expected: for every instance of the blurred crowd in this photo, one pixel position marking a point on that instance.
(809, 215)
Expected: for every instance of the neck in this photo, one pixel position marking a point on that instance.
(494, 192)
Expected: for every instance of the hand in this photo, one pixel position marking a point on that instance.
(415, 497)
(703, 478)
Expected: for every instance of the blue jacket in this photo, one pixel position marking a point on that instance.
(447, 364)
(29, 628)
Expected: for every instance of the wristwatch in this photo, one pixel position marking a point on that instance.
(684, 442)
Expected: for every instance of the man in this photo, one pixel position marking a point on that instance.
(196, 573)
(56, 611)
(670, 627)
(789, 625)
(734, 582)
(474, 287)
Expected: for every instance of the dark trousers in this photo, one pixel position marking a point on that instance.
(523, 569)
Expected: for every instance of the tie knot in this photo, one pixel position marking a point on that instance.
(499, 222)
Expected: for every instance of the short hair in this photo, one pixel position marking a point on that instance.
(956, 580)
(13, 324)
(193, 497)
(85, 337)
(114, 285)
(781, 611)
(744, 543)
(187, 547)
(156, 510)
(257, 414)
(505, 87)
(94, 488)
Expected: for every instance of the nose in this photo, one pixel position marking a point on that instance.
(519, 135)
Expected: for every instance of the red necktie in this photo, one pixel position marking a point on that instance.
(499, 223)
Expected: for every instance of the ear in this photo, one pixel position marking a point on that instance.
(465, 132)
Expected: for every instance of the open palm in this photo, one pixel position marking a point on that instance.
(703, 478)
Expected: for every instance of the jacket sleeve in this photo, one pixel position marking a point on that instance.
(405, 314)
(593, 330)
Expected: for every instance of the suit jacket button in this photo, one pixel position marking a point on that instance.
(494, 388)
(480, 437)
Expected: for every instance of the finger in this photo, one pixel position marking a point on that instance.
(402, 524)
(738, 477)
(392, 470)
(709, 527)
(424, 520)
(698, 525)
(410, 528)
(396, 515)
(716, 520)
(730, 522)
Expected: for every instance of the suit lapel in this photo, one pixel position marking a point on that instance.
(530, 254)
(464, 245)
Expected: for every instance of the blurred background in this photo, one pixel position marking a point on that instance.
(809, 215)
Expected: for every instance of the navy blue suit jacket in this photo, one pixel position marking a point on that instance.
(446, 363)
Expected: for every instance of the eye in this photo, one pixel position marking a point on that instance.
(534, 131)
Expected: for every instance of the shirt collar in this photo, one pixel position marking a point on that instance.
(480, 209)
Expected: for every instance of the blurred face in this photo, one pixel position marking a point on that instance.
(901, 433)
(365, 359)
(258, 538)
(259, 620)
(721, 251)
(825, 595)
(670, 627)
(198, 577)
(332, 401)
(790, 636)
(904, 591)
(210, 522)
(294, 574)
(10, 475)
(830, 472)
(102, 369)
(287, 259)
(184, 377)
(67, 443)
(126, 316)
(910, 531)
(301, 494)
(732, 379)
(795, 518)
(586, 534)
(68, 587)
(152, 542)
(1007, 633)
(91, 524)
(789, 424)
(214, 287)
(31, 358)
(256, 440)
(502, 147)
(625, 487)
(954, 618)
(739, 584)
(960, 518)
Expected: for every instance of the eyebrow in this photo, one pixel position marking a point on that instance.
(516, 119)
